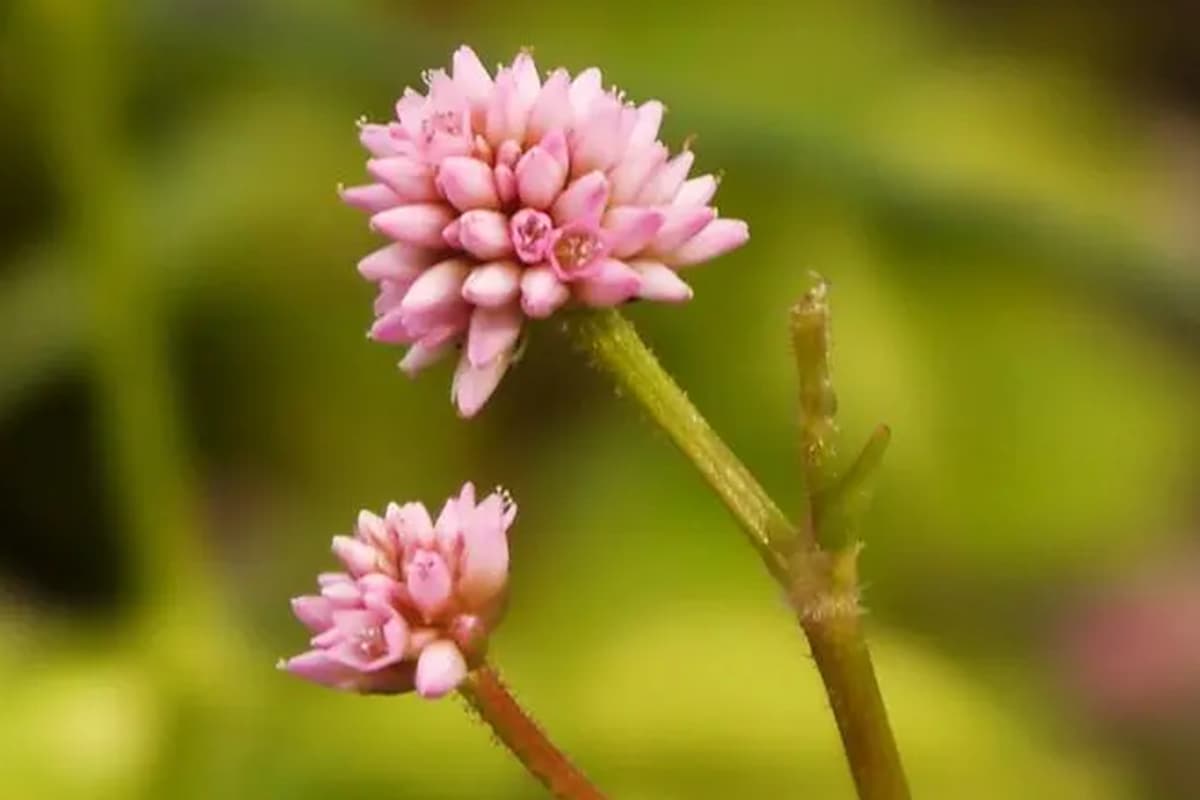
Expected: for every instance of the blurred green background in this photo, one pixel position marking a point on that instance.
(1006, 198)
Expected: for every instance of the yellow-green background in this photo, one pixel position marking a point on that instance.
(189, 408)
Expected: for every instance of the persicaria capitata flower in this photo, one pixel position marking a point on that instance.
(509, 196)
(416, 602)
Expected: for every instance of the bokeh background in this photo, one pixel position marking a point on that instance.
(1006, 198)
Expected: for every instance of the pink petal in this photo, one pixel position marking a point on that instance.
(542, 293)
(398, 262)
(420, 224)
(584, 90)
(472, 386)
(613, 283)
(380, 592)
(631, 228)
(411, 523)
(540, 177)
(342, 594)
(525, 77)
(645, 131)
(319, 668)
(682, 223)
(532, 233)
(411, 180)
(582, 201)
(358, 556)
(371, 529)
(484, 568)
(372, 197)
(552, 109)
(472, 78)
(696, 191)
(429, 582)
(493, 331)
(508, 110)
(438, 289)
(660, 283)
(314, 611)
(597, 141)
(390, 328)
(378, 140)
(467, 183)
(330, 578)
(440, 669)
(421, 355)
(395, 635)
(555, 143)
(506, 183)
(493, 284)
(631, 174)
(484, 234)
(666, 180)
(508, 153)
(447, 532)
(720, 236)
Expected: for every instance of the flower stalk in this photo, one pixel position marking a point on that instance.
(817, 568)
(487, 695)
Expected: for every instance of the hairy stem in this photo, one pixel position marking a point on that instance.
(490, 698)
(614, 347)
(821, 584)
(840, 650)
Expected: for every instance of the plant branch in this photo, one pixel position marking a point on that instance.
(495, 705)
(614, 347)
(822, 584)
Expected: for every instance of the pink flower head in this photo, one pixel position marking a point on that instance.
(508, 196)
(416, 602)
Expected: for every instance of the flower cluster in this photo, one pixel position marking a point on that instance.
(507, 197)
(417, 600)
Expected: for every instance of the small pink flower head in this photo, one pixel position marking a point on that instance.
(416, 602)
(507, 197)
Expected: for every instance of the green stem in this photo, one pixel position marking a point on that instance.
(615, 348)
(490, 698)
(818, 402)
(822, 585)
(840, 650)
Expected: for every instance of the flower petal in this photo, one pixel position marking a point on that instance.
(582, 201)
(696, 191)
(398, 262)
(660, 283)
(317, 667)
(494, 284)
(440, 669)
(484, 568)
(540, 177)
(613, 283)
(429, 583)
(493, 331)
(467, 183)
(631, 228)
(472, 386)
(484, 234)
(314, 611)
(371, 197)
(682, 223)
(419, 224)
(720, 236)
(542, 293)
(552, 109)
